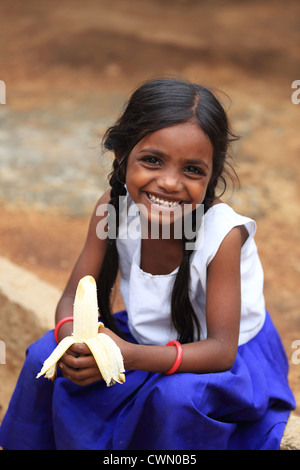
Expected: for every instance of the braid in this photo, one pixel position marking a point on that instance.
(110, 265)
(183, 316)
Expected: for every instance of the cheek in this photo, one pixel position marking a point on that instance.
(129, 179)
(130, 187)
(136, 177)
(133, 183)
(199, 191)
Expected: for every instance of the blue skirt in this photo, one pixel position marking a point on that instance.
(246, 407)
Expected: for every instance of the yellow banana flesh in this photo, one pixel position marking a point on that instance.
(85, 330)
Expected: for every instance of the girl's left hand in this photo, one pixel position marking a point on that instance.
(78, 363)
(79, 366)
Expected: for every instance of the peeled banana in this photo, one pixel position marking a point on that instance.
(85, 330)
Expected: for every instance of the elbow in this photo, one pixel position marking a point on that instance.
(228, 361)
(227, 356)
(227, 364)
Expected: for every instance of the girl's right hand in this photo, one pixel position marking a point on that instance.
(79, 366)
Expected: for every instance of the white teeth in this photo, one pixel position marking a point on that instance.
(162, 201)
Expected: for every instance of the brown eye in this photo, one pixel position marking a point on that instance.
(151, 160)
(195, 170)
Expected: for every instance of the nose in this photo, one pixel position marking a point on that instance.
(170, 181)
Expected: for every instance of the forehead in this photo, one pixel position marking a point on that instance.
(185, 139)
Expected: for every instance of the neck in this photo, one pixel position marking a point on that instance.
(160, 256)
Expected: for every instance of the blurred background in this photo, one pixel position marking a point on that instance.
(69, 67)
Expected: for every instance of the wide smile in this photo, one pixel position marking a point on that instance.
(162, 201)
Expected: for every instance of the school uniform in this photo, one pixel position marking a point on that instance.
(246, 407)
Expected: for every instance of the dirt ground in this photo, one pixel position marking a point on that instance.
(68, 67)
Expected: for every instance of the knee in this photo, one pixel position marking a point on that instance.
(170, 393)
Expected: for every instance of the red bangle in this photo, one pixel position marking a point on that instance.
(59, 324)
(178, 358)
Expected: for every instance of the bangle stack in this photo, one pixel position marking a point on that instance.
(59, 324)
(178, 358)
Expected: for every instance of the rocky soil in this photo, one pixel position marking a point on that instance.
(68, 68)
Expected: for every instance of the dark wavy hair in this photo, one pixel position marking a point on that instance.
(154, 105)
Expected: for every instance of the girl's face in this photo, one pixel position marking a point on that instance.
(168, 170)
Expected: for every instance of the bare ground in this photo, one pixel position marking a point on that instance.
(69, 66)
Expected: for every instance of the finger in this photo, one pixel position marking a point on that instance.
(80, 376)
(81, 362)
(79, 349)
(70, 352)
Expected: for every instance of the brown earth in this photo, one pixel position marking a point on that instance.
(70, 63)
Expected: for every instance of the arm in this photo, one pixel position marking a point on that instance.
(78, 363)
(89, 262)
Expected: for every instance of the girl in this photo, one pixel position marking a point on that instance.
(221, 383)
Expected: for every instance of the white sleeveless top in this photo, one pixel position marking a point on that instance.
(147, 296)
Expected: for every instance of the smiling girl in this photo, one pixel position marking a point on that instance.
(205, 367)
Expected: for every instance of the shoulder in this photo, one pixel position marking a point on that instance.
(218, 222)
(223, 212)
(221, 218)
(99, 215)
(105, 198)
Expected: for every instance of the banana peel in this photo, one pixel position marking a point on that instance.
(85, 330)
